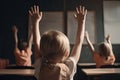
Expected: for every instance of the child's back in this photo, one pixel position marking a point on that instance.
(59, 71)
(55, 64)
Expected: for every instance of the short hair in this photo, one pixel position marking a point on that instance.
(23, 45)
(104, 49)
(54, 44)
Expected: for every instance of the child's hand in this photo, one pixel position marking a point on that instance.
(80, 14)
(36, 16)
(14, 29)
(108, 38)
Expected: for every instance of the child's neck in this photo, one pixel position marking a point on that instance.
(51, 61)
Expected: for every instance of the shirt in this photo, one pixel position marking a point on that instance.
(59, 71)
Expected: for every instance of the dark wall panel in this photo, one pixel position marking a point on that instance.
(16, 12)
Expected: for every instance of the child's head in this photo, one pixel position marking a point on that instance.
(54, 45)
(104, 49)
(23, 45)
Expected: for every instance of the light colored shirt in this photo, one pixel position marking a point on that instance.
(59, 71)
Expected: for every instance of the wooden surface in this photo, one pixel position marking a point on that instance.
(24, 72)
(86, 64)
(101, 71)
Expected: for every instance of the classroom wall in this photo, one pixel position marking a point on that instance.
(15, 12)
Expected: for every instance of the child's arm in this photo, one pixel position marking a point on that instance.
(30, 32)
(36, 17)
(89, 42)
(109, 42)
(80, 16)
(15, 31)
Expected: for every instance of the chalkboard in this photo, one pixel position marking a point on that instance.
(52, 20)
(90, 26)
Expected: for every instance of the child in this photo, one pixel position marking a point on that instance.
(22, 54)
(53, 61)
(4, 63)
(105, 55)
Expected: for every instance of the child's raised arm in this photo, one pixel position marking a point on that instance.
(30, 32)
(15, 31)
(80, 16)
(90, 45)
(109, 42)
(36, 17)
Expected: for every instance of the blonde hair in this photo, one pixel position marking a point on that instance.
(54, 44)
(104, 49)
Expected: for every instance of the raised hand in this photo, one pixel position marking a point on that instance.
(108, 38)
(14, 29)
(80, 14)
(36, 16)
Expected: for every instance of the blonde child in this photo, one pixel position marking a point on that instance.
(53, 60)
(104, 55)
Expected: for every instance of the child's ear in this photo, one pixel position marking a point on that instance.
(66, 54)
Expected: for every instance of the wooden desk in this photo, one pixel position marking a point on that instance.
(86, 65)
(105, 73)
(24, 72)
(101, 71)
(93, 65)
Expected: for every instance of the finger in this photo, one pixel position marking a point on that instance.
(37, 9)
(32, 10)
(83, 10)
(80, 9)
(30, 13)
(77, 10)
(40, 13)
(75, 15)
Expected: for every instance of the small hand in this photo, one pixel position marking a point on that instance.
(35, 14)
(108, 38)
(14, 28)
(80, 14)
